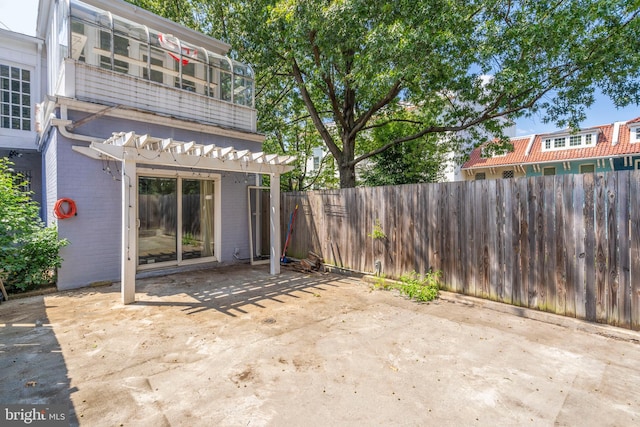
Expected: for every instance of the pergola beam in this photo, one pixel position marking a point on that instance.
(165, 158)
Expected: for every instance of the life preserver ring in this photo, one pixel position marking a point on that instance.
(172, 44)
(64, 208)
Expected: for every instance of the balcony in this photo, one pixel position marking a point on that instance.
(111, 60)
(94, 84)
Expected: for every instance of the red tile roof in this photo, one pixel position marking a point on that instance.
(604, 147)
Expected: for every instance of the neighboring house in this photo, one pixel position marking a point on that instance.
(453, 169)
(147, 128)
(603, 148)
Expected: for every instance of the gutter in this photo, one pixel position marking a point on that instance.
(62, 128)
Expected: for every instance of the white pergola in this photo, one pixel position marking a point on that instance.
(132, 149)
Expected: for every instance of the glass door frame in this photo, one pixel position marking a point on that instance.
(217, 225)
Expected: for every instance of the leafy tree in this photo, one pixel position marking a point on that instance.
(29, 252)
(415, 161)
(352, 61)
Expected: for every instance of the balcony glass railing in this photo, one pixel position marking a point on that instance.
(108, 41)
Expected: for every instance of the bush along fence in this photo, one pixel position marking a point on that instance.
(567, 244)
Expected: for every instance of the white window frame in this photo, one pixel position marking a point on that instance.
(558, 143)
(217, 226)
(634, 138)
(637, 164)
(22, 107)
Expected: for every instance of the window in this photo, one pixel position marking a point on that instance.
(15, 98)
(316, 163)
(548, 171)
(570, 141)
(635, 134)
(480, 176)
(575, 140)
(587, 168)
(22, 179)
(507, 174)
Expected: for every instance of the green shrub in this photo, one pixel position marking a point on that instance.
(420, 287)
(415, 286)
(29, 251)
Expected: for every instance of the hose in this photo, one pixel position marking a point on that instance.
(64, 208)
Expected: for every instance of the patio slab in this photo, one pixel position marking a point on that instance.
(234, 347)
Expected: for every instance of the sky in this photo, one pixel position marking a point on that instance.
(21, 15)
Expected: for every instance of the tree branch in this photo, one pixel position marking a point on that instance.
(315, 117)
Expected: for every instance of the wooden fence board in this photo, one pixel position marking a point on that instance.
(560, 280)
(539, 248)
(579, 239)
(484, 226)
(443, 213)
(601, 244)
(548, 301)
(474, 234)
(500, 237)
(570, 259)
(432, 200)
(612, 304)
(493, 225)
(524, 241)
(634, 253)
(510, 236)
(624, 293)
(590, 246)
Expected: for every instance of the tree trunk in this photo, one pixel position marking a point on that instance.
(347, 176)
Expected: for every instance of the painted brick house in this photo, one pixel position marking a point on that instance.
(148, 130)
(603, 148)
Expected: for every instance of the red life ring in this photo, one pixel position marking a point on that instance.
(172, 44)
(64, 208)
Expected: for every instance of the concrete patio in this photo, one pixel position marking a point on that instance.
(235, 346)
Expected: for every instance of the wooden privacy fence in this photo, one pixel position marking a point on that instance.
(565, 244)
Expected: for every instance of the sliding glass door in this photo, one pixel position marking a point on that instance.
(197, 219)
(157, 212)
(176, 220)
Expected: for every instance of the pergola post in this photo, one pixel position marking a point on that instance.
(274, 221)
(129, 230)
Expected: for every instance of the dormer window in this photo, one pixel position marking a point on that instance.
(635, 134)
(565, 142)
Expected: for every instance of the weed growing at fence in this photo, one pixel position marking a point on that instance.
(420, 287)
(377, 232)
(415, 286)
